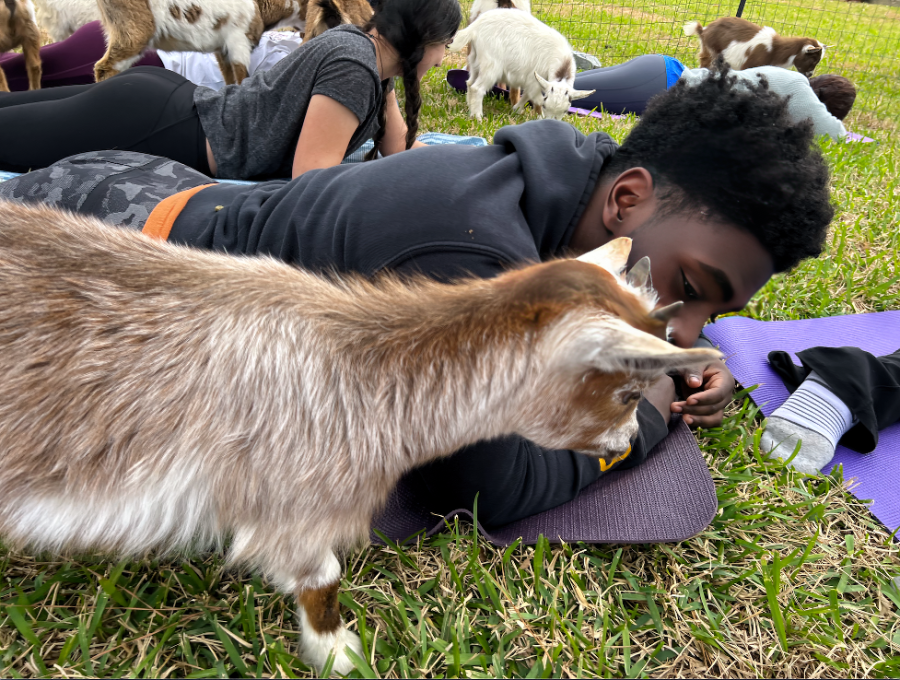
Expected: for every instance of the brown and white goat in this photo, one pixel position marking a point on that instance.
(18, 28)
(158, 397)
(478, 8)
(229, 28)
(743, 44)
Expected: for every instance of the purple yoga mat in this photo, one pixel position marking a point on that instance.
(746, 343)
(669, 498)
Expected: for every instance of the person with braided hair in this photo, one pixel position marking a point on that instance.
(313, 108)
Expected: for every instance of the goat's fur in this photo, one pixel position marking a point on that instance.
(743, 45)
(517, 49)
(61, 18)
(158, 397)
(481, 6)
(229, 28)
(324, 14)
(18, 28)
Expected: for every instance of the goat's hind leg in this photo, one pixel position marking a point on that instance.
(322, 631)
(127, 41)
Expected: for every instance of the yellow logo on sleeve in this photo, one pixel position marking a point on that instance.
(604, 466)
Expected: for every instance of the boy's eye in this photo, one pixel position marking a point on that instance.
(689, 292)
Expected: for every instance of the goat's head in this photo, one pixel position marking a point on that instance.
(558, 96)
(809, 57)
(600, 343)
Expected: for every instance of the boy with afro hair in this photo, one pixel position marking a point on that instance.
(715, 184)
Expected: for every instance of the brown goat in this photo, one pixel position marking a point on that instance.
(324, 14)
(157, 397)
(19, 29)
(743, 44)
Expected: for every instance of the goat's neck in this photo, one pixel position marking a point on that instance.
(425, 373)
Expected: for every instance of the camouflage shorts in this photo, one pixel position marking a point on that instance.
(119, 187)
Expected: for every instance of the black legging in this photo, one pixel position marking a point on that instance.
(145, 109)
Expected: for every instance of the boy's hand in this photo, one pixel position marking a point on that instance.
(709, 391)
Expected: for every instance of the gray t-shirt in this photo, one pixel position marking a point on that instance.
(253, 127)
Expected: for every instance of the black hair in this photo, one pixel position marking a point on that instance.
(733, 153)
(836, 92)
(409, 26)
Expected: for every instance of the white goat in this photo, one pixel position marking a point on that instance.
(481, 6)
(61, 18)
(154, 396)
(517, 49)
(230, 28)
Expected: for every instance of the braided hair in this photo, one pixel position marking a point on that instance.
(409, 26)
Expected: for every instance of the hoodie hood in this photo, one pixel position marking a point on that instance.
(560, 167)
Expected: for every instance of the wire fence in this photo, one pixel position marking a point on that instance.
(864, 38)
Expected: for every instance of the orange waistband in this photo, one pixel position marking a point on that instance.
(163, 216)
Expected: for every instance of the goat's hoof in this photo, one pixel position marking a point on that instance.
(317, 646)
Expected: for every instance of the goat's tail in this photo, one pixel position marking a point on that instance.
(462, 38)
(693, 28)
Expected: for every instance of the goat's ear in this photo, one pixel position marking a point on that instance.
(545, 84)
(811, 49)
(612, 256)
(575, 95)
(611, 345)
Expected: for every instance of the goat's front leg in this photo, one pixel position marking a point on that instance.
(475, 97)
(4, 86)
(31, 49)
(321, 629)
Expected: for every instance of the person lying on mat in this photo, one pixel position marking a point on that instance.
(839, 395)
(626, 88)
(718, 205)
(311, 110)
(71, 61)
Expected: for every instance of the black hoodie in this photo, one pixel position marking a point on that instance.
(443, 211)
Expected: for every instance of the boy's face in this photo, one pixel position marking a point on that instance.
(712, 267)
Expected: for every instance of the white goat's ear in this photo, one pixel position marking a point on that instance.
(575, 95)
(612, 345)
(809, 49)
(545, 84)
(612, 256)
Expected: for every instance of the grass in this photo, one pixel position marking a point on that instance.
(793, 578)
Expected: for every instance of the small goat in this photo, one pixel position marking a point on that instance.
(743, 44)
(157, 397)
(61, 18)
(324, 14)
(521, 51)
(481, 6)
(19, 29)
(230, 28)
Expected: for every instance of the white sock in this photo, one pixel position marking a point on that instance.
(817, 408)
(814, 418)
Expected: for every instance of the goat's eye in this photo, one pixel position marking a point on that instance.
(630, 397)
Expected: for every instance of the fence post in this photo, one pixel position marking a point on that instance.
(740, 9)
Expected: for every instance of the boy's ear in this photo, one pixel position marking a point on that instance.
(611, 345)
(612, 256)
